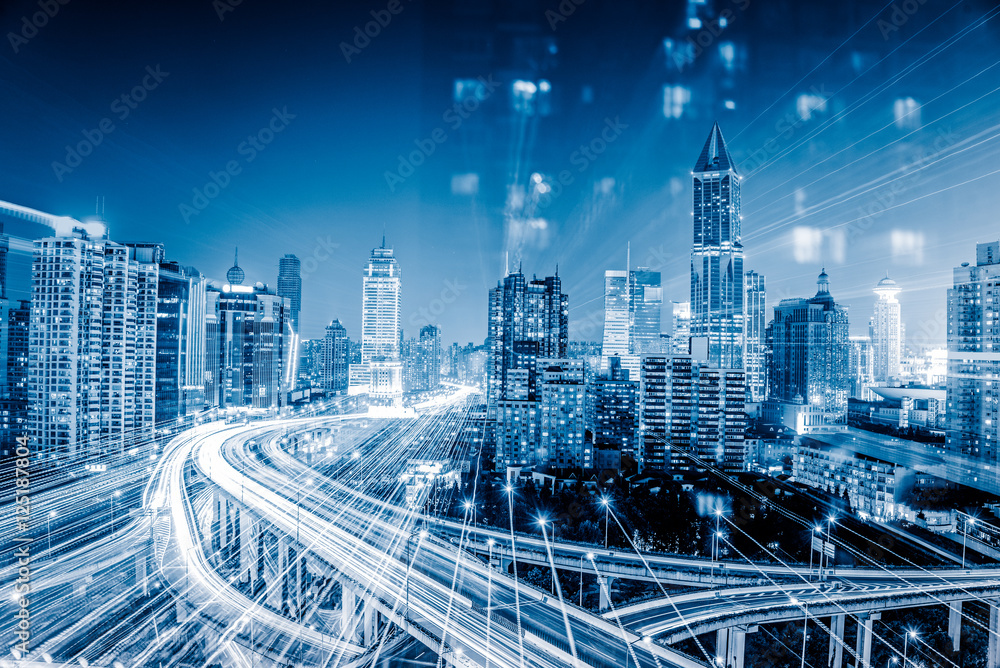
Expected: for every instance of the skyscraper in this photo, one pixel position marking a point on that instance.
(680, 333)
(754, 341)
(427, 374)
(886, 332)
(14, 318)
(528, 322)
(290, 286)
(974, 358)
(380, 330)
(333, 358)
(717, 256)
(810, 353)
(616, 316)
(645, 305)
(93, 320)
(246, 346)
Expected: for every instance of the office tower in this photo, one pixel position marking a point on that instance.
(860, 367)
(380, 372)
(612, 409)
(245, 348)
(180, 342)
(290, 286)
(717, 256)
(974, 358)
(561, 442)
(646, 302)
(14, 318)
(528, 320)
(680, 334)
(333, 358)
(92, 341)
(754, 336)
(886, 332)
(654, 389)
(428, 359)
(810, 353)
(707, 418)
(616, 316)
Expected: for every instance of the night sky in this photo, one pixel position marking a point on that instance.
(319, 190)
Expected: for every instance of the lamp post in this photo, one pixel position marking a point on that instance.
(818, 530)
(891, 660)
(829, 534)
(607, 507)
(965, 534)
(906, 637)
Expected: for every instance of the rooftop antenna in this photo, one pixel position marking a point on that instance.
(506, 263)
(383, 235)
(628, 256)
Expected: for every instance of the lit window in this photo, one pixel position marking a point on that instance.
(906, 111)
(675, 98)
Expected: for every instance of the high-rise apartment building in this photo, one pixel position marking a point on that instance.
(14, 318)
(754, 336)
(528, 320)
(612, 409)
(717, 256)
(290, 287)
(561, 442)
(427, 358)
(810, 353)
(333, 358)
(92, 346)
(180, 342)
(886, 332)
(973, 398)
(691, 411)
(859, 367)
(245, 346)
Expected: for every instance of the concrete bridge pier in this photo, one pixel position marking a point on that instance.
(348, 604)
(605, 582)
(370, 624)
(955, 624)
(730, 645)
(249, 549)
(863, 648)
(837, 623)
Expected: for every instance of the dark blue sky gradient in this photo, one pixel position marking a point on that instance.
(321, 181)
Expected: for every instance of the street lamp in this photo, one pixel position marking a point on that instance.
(965, 534)
(607, 507)
(891, 660)
(829, 534)
(906, 638)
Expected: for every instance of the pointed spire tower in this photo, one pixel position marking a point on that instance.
(717, 309)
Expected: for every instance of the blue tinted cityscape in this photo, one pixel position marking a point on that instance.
(500, 333)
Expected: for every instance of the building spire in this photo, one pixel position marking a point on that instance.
(715, 156)
(383, 235)
(235, 275)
